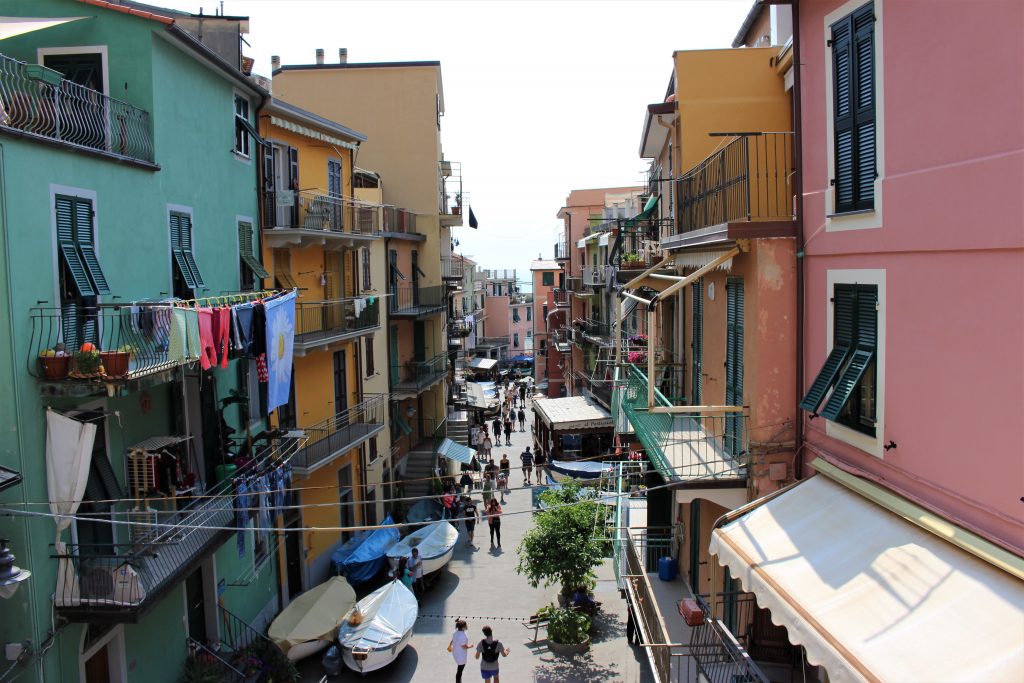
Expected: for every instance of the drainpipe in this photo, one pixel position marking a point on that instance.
(798, 188)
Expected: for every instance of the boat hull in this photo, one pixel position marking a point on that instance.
(303, 650)
(374, 659)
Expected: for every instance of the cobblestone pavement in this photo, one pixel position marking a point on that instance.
(481, 585)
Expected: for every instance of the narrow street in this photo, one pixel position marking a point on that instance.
(481, 585)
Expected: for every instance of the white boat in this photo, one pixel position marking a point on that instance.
(387, 617)
(436, 543)
(310, 622)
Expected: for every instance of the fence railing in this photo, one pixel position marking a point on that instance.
(452, 268)
(39, 102)
(594, 276)
(450, 197)
(228, 673)
(398, 220)
(595, 329)
(719, 656)
(561, 251)
(335, 435)
(410, 298)
(307, 210)
(415, 375)
(236, 634)
(749, 179)
(561, 296)
(317, 321)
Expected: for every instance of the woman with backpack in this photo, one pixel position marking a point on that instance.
(487, 651)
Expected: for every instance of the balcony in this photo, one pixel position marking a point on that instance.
(503, 274)
(561, 251)
(415, 377)
(452, 268)
(400, 223)
(707, 448)
(37, 103)
(593, 331)
(743, 191)
(561, 339)
(319, 324)
(594, 276)
(574, 284)
(339, 434)
(561, 297)
(413, 302)
(304, 218)
(451, 198)
(120, 582)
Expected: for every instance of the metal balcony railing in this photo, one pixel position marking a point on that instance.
(411, 299)
(320, 322)
(37, 101)
(236, 634)
(330, 438)
(491, 342)
(561, 297)
(168, 538)
(419, 375)
(503, 274)
(307, 210)
(451, 198)
(596, 330)
(750, 179)
(398, 220)
(452, 267)
(594, 276)
(561, 251)
(227, 672)
(719, 656)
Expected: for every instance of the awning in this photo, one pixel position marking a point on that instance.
(649, 209)
(872, 594)
(310, 133)
(665, 284)
(483, 363)
(455, 451)
(572, 413)
(603, 242)
(16, 26)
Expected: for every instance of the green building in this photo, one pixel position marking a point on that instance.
(128, 176)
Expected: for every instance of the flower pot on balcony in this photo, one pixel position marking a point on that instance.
(55, 367)
(633, 265)
(456, 210)
(115, 363)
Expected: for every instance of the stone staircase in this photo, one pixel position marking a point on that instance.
(458, 428)
(419, 465)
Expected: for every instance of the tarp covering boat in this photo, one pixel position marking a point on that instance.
(388, 614)
(581, 469)
(362, 557)
(435, 543)
(313, 616)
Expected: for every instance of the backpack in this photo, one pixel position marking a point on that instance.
(490, 651)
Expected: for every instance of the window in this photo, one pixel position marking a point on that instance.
(345, 500)
(243, 129)
(368, 353)
(544, 313)
(515, 340)
(85, 69)
(250, 269)
(367, 283)
(529, 313)
(515, 315)
(547, 279)
(187, 278)
(853, 90)
(529, 333)
(850, 369)
(283, 270)
(374, 451)
(543, 344)
(76, 239)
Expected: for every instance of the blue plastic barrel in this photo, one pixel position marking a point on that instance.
(667, 568)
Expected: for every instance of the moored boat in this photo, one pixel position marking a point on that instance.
(579, 469)
(311, 621)
(436, 543)
(379, 627)
(361, 558)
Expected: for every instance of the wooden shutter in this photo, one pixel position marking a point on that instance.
(842, 77)
(283, 269)
(86, 244)
(697, 341)
(181, 249)
(842, 347)
(863, 57)
(367, 283)
(734, 364)
(245, 250)
(865, 315)
(293, 170)
(854, 110)
(66, 240)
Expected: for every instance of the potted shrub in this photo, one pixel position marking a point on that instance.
(54, 362)
(86, 362)
(202, 669)
(637, 357)
(632, 261)
(457, 209)
(115, 363)
(568, 630)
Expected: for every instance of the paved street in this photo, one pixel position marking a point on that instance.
(482, 586)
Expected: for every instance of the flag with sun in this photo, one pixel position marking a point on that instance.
(280, 343)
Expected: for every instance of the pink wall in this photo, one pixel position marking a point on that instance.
(951, 245)
(520, 328)
(498, 316)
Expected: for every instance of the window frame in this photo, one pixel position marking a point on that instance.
(367, 275)
(188, 259)
(243, 141)
(248, 260)
(547, 279)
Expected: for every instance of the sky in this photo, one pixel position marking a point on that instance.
(541, 97)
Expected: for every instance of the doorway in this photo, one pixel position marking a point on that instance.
(293, 558)
(195, 607)
(340, 383)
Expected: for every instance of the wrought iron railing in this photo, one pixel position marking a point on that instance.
(167, 537)
(687, 447)
(307, 210)
(335, 435)
(452, 267)
(398, 220)
(749, 179)
(417, 375)
(319, 321)
(412, 299)
(236, 634)
(226, 672)
(36, 101)
(561, 251)
(561, 296)
(451, 197)
(594, 276)
(596, 330)
(719, 656)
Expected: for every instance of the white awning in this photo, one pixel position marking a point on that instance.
(603, 242)
(456, 451)
(572, 412)
(308, 132)
(483, 363)
(16, 26)
(872, 596)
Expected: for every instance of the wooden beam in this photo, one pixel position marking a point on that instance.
(697, 409)
(692, 277)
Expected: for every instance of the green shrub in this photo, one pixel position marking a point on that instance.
(567, 626)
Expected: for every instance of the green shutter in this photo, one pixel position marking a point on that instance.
(842, 346)
(853, 76)
(865, 313)
(842, 77)
(245, 250)
(863, 57)
(86, 246)
(66, 239)
(697, 342)
(734, 364)
(181, 248)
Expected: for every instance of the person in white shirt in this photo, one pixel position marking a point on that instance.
(416, 569)
(458, 646)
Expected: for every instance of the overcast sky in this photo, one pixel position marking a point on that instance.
(542, 97)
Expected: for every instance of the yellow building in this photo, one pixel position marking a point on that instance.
(399, 106)
(319, 239)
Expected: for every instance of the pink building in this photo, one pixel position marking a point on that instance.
(547, 316)
(910, 532)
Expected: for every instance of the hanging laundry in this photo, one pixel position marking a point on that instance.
(192, 330)
(358, 305)
(207, 348)
(177, 347)
(221, 335)
(280, 340)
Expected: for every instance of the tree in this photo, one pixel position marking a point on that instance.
(564, 546)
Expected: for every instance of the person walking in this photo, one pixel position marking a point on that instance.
(522, 420)
(458, 646)
(488, 445)
(493, 512)
(540, 461)
(488, 489)
(497, 425)
(508, 432)
(522, 393)
(487, 651)
(402, 573)
(527, 459)
(465, 482)
(416, 568)
(504, 467)
(470, 515)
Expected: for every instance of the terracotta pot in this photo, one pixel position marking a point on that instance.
(633, 265)
(55, 367)
(115, 363)
(568, 650)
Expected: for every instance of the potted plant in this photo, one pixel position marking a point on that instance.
(86, 362)
(568, 630)
(115, 363)
(632, 261)
(637, 357)
(457, 209)
(54, 362)
(202, 669)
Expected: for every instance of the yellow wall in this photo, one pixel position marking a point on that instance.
(313, 157)
(322, 488)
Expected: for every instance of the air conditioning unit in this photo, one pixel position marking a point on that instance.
(119, 585)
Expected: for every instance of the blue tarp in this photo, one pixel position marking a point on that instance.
(580, 469)
(361, 558)
(521, 358)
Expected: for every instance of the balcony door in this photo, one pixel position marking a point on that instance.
(334, 191)
(419, 341)
(340, 383)
(333, 311)
(734, 365)
(395, 360)
(286, 182)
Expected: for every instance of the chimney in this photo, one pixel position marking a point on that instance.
(342, 55)
(319, 55)
(275, 62)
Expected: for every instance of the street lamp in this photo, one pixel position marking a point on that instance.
(10, 576)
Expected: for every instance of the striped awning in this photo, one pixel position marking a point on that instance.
(308, 132)
(455, 451)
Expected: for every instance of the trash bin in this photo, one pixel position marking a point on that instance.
(667, 568)
(226, 471)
